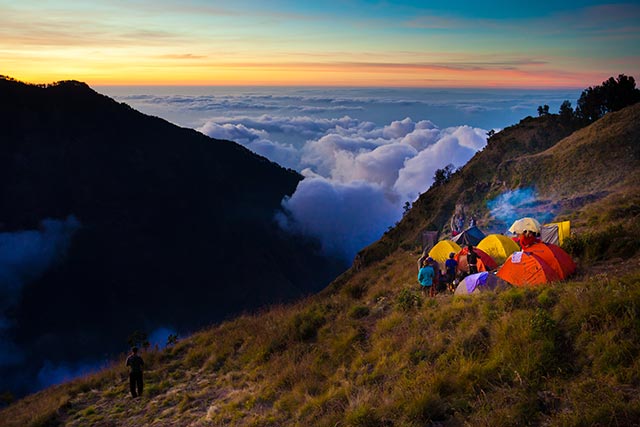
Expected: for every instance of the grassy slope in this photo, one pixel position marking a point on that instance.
(370, 351)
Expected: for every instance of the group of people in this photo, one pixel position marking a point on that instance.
(432, 280)
(457, 223)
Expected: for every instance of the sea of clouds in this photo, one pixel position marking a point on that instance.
(364, 153)
(358, 175)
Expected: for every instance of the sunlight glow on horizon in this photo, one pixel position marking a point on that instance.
(210, 43)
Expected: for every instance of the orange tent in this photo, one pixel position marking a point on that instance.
(485, 262)
(527, 268)
(556, 257)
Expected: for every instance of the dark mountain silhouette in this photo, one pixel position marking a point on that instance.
(175, 229)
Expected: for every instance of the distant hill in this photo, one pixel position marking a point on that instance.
(168, 227)
(370, 350)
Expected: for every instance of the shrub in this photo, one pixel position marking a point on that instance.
(155, 389)
(427, 408)
(408, 300)
(355, 290)
(614, 241)
(362, 416)
(305, 325)
(512, 299)
(359, 311)
(548, 297)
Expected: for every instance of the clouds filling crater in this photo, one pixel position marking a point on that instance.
(358, 175)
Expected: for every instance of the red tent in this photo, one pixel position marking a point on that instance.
(485, 262)
(527, 268)
(556, 257)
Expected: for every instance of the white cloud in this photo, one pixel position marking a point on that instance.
(380, 165)
(344, 217)
(232, 132)
(359, 174)
(456, 146)
(283, 154)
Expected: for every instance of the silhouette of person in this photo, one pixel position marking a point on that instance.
(136, 363)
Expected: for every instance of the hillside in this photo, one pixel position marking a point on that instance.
(114, 222)
(371, 351)
(584, 177)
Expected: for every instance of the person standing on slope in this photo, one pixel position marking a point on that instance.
(472, 260)
(451, 265)
(425, 277)
(136, 364)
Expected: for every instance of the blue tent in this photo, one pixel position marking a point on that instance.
(470, 236)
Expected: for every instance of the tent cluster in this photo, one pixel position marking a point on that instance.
(502, 262)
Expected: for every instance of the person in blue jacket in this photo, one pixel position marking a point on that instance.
(425, 277)
(451, 265)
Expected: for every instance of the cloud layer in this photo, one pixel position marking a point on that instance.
(24, 256)
(357, 175)
(364, 151)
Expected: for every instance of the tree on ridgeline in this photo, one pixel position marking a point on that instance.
(442, 176)
(543, 110)
(406, 208)
(611, 95)
(566, 112)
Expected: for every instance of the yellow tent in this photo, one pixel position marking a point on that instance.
(440, 252)
(498, 247)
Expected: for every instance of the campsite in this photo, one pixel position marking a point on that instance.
(498, 254)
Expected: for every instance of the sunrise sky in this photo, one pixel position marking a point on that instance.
(333, 43)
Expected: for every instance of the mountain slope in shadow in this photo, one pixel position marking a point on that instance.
(169, 227)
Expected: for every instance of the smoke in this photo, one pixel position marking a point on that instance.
(519, 203)
(24, 257)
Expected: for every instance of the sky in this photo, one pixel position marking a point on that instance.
(543, 44)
